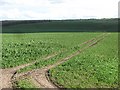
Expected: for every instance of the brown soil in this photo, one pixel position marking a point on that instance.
(7, 75)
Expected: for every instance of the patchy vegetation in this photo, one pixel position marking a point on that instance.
(96, 67)
(19, 49)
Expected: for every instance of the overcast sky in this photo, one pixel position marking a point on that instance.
(57, 9)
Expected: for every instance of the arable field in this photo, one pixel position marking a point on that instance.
(95, 67)
(70, 60)
(80, 53)
(19, 49)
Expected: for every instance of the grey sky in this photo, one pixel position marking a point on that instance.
(119, 9)
(57, 9)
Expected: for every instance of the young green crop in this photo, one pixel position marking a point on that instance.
(97, 67)
(70, 48)
(17, 53)
(19, 49)
(24, 84)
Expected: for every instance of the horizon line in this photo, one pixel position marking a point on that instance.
(54, 19)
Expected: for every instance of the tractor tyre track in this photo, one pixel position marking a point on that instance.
(7, 75)
(41, 76)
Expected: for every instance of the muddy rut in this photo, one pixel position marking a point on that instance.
(6, 75)
(40, 76)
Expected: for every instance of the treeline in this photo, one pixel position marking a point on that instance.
(14, 22)
(79, 25)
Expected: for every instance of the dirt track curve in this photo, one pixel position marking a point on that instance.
(40, 76)
(6, 75)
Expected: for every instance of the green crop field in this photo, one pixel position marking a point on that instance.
(25, 83)
(96, 67)
(28, 47)
(79, 54)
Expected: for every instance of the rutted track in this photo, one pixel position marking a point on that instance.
(7, 75)
(41, 77)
